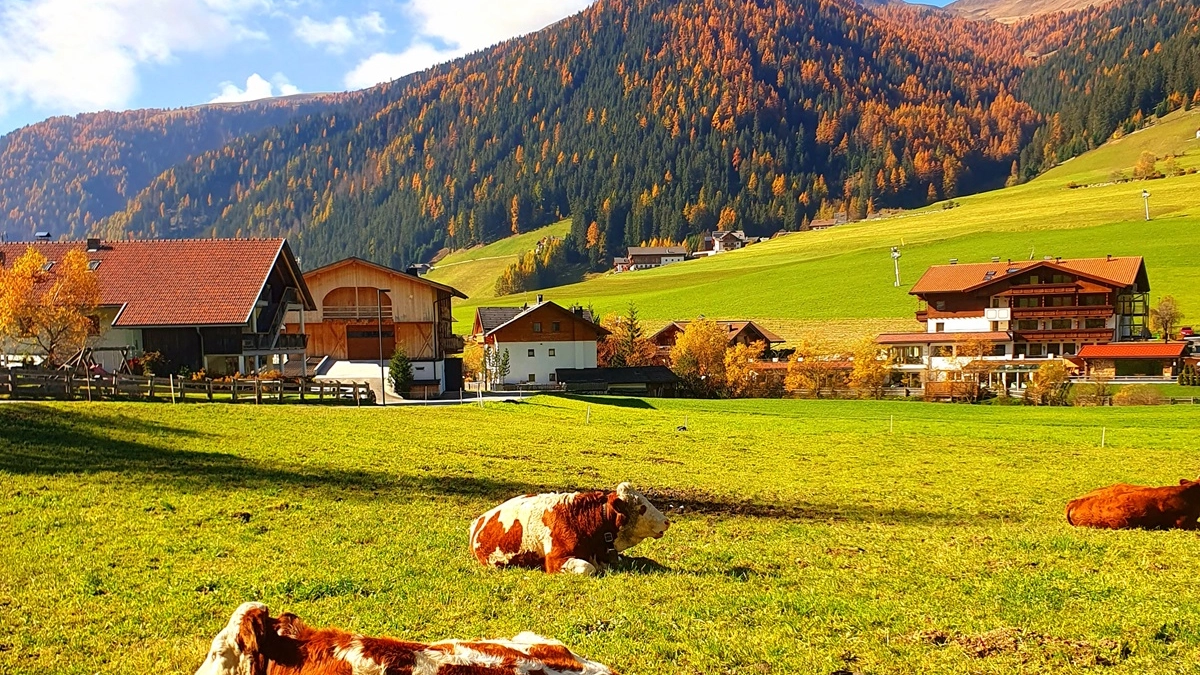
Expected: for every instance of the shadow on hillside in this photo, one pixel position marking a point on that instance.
(613, 401)
(676, 503)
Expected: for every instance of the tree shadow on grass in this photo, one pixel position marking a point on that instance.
(613, 401)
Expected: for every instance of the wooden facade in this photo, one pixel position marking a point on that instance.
(414, 314)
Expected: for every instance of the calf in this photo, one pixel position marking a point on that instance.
(254, 643)
(578, 532)
(1123, 506)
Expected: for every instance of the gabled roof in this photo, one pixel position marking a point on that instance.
(1120, 272)
(387, 270)
(657, 250)
(1133, 350)
(489, 319)
(495, 312)
(179, 282)
(732, 328)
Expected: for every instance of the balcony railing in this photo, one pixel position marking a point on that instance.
(1070, 311)
(1063, 334)
(1041, 289)
(283, 342)
(356, 312)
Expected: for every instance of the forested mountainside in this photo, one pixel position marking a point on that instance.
(65, 174)
(1010, 11)
(1119, 66)
(656, 119)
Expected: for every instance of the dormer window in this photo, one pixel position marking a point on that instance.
(92, 265)
(48, 266)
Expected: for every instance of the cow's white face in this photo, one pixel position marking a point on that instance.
(644, 520)
(225, 657)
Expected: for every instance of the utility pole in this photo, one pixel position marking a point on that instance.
(1146, 200)
(382, 367)
(896, 264)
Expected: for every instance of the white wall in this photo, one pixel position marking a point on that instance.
(974, 324)
(576, 354)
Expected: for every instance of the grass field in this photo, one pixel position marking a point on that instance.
(813, 540)
(474, 271)
(844, 274)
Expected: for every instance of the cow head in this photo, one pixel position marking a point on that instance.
(235, 649)
(643, 520)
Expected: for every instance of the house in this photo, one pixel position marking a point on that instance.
(652, 381)
(648, 257)
(738, 332)
(216, 305)
(1152, 360)
(730, 241)
(365, 310)
(1026, 311)
(541, 339)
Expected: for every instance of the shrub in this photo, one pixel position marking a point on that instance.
(1189, 376)
(271, 374)
(400, 373)
(1138, 394)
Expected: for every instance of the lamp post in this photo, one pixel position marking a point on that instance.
(382, 367)
(896, 264)
(1146, 200)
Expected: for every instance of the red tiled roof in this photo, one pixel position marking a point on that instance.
(177, 282)
(927, 338)
(733, 328)
(951, 278)
(1133, 350)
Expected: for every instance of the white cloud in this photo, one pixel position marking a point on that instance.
(463, 26)
(68, 55)
(341, 32)
(256, 88)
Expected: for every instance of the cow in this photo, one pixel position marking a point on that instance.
(255, 643)
(578, 532)
(1123, 506)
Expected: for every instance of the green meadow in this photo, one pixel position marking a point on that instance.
(474, 271)
(839, 282)
(807, 537)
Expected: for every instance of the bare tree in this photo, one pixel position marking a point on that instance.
(1165, 316)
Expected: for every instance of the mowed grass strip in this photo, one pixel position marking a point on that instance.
(815, 536)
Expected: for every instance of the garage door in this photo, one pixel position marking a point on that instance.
(363, 344)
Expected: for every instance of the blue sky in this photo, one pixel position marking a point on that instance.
(69, 56)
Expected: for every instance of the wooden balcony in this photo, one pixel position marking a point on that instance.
(1099, 334)
(1042, 289)
(1068, 312)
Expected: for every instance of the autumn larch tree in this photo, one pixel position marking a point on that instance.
(698, 357)
(50, 310)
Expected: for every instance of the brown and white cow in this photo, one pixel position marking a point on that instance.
(254, 643)
(578, 532)
(1124, 506)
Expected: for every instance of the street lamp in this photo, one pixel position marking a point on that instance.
(896, 264)
(382, 368)
(1146, 200)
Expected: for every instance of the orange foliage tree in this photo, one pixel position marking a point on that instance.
(49, 310)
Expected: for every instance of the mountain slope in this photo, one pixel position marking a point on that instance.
(1011, 11)
(474, 271)
(837, 284)
(66, 174)
(650, 118)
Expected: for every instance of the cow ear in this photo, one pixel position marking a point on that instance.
(625, 491)
(254, 634)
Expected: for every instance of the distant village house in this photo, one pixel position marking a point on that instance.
(541, 339)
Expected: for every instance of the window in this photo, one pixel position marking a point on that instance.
(1037, 350)
(1060, 324)
(1028, 302)
(995, 301)
(940, 305)
(995, 326)
(1068, 348)
(551, 352)
(999, 350)
(553, 377)
(942, 350)
(537, 326)
(1021, 349)
(555, 327)
(939, 327)
(532, 377)
(1033, 280)
(48, 266)
(1060, 279)
(1094, 300)
(530, 354)
(906, 355)
(1027, 324)
(1093, 323)
(1062, 301)
(93, 264)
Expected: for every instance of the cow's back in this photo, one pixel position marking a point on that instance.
(515, 534)
(1125, 506)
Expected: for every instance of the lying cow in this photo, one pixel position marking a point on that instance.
(580, 532)
(254, 643)
(1124, 506)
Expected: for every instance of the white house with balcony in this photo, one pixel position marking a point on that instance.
(540, 339)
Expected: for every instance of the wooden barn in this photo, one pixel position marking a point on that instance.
(365, 309)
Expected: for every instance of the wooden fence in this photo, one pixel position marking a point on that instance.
(24, 383)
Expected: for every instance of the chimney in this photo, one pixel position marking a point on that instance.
(578, 311)
(954, 261)
(539, 298)
(93, 244)
(1058, 258)
(1109, 257)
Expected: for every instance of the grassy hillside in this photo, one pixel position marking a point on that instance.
(474, 271)
(812, 540)
(839, 281)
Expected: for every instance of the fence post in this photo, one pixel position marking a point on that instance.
(88, 384)
(303, 386)
(357, 400)
(210, 391)
(233, 389)
(320, 391)
(281, 391)
(12, 386)
(116, 387)
(257, 391)
(172, 382)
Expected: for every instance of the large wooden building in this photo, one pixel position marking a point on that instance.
(365, 310)
(541, 339)
(1028, 311)
(216, 305)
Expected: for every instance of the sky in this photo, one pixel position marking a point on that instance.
(63, 57)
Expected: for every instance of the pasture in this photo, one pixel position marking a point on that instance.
(815, 536)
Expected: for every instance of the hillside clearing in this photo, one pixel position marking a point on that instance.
(812, 539)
